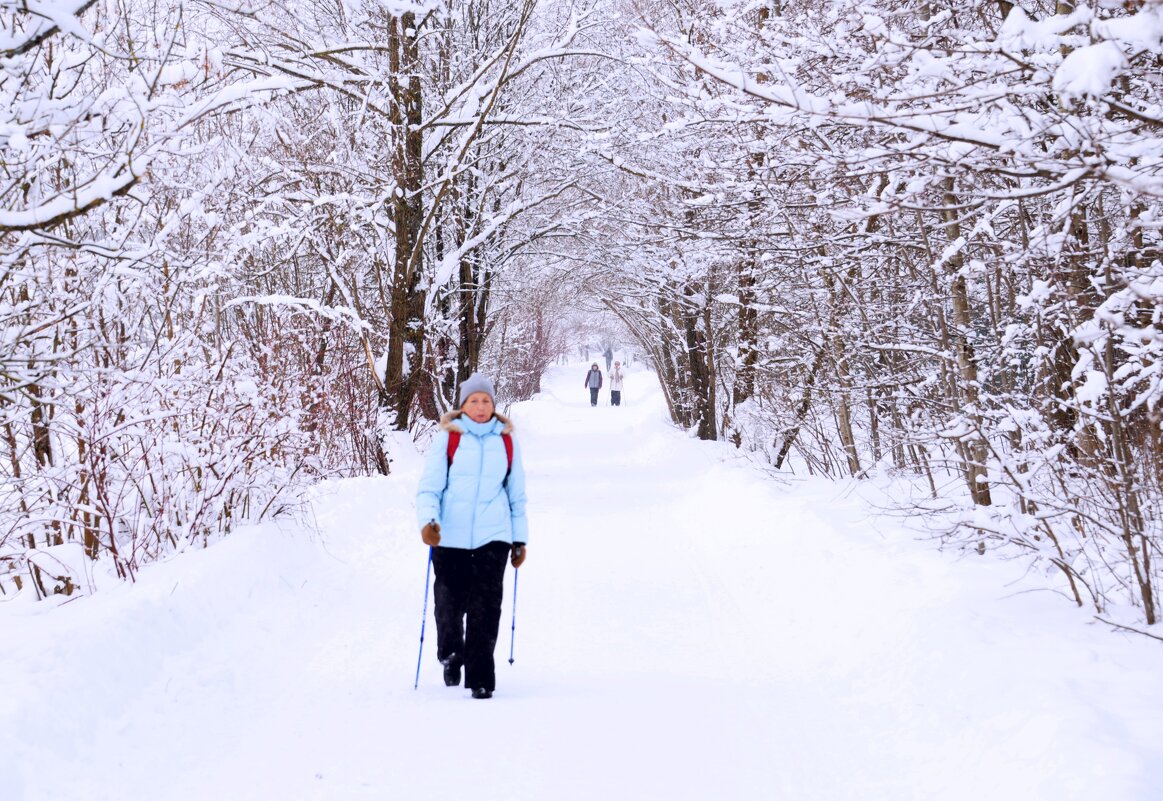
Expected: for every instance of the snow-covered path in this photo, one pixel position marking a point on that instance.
(686, 629)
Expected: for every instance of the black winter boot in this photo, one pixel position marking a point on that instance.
(452, 671)
(481, 692)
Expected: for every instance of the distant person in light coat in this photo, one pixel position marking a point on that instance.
(616, 377)
(471, 510)
(594, 383)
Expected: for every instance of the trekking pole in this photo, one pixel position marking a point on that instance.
(513, 630)
(424, 619)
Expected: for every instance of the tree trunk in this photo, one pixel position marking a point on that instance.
(748, 337)
(698, 363)
(406, 298)
(974, 445)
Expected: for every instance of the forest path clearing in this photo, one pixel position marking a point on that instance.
(686, 629)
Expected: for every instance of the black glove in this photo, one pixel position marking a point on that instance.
(518, 554)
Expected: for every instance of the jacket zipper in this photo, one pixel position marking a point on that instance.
(477, 499)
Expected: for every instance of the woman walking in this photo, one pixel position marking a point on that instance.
(616, 385)
(594, 383)
(471, 509)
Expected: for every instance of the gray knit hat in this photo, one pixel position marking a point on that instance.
(476, 383)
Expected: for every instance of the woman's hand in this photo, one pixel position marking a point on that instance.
(518, 554)
(431, 533)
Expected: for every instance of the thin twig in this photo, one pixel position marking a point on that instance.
(1128, 628)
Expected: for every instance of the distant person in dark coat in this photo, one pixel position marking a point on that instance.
(594, 383)
(609, 354)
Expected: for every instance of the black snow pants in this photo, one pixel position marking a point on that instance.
(593, 396)
(470, 582)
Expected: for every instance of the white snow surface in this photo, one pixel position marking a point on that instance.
(687, 628)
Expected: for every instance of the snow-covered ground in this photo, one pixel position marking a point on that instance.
(687, 628)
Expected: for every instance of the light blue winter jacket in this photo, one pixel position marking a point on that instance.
(471, 499)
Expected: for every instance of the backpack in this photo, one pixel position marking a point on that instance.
(454, 443)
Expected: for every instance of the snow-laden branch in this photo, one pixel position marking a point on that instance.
(239, 95)
(527, 120)
(505, 56)
(451, 261)
(469, 92)
(52, 16)
(113, 182)
(336, 313)
(993, 117)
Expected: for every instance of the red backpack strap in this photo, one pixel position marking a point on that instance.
(508, 438)
(453, 444)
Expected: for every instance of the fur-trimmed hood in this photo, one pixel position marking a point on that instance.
(448, 422)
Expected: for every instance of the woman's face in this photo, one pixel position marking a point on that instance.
(479, 407)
